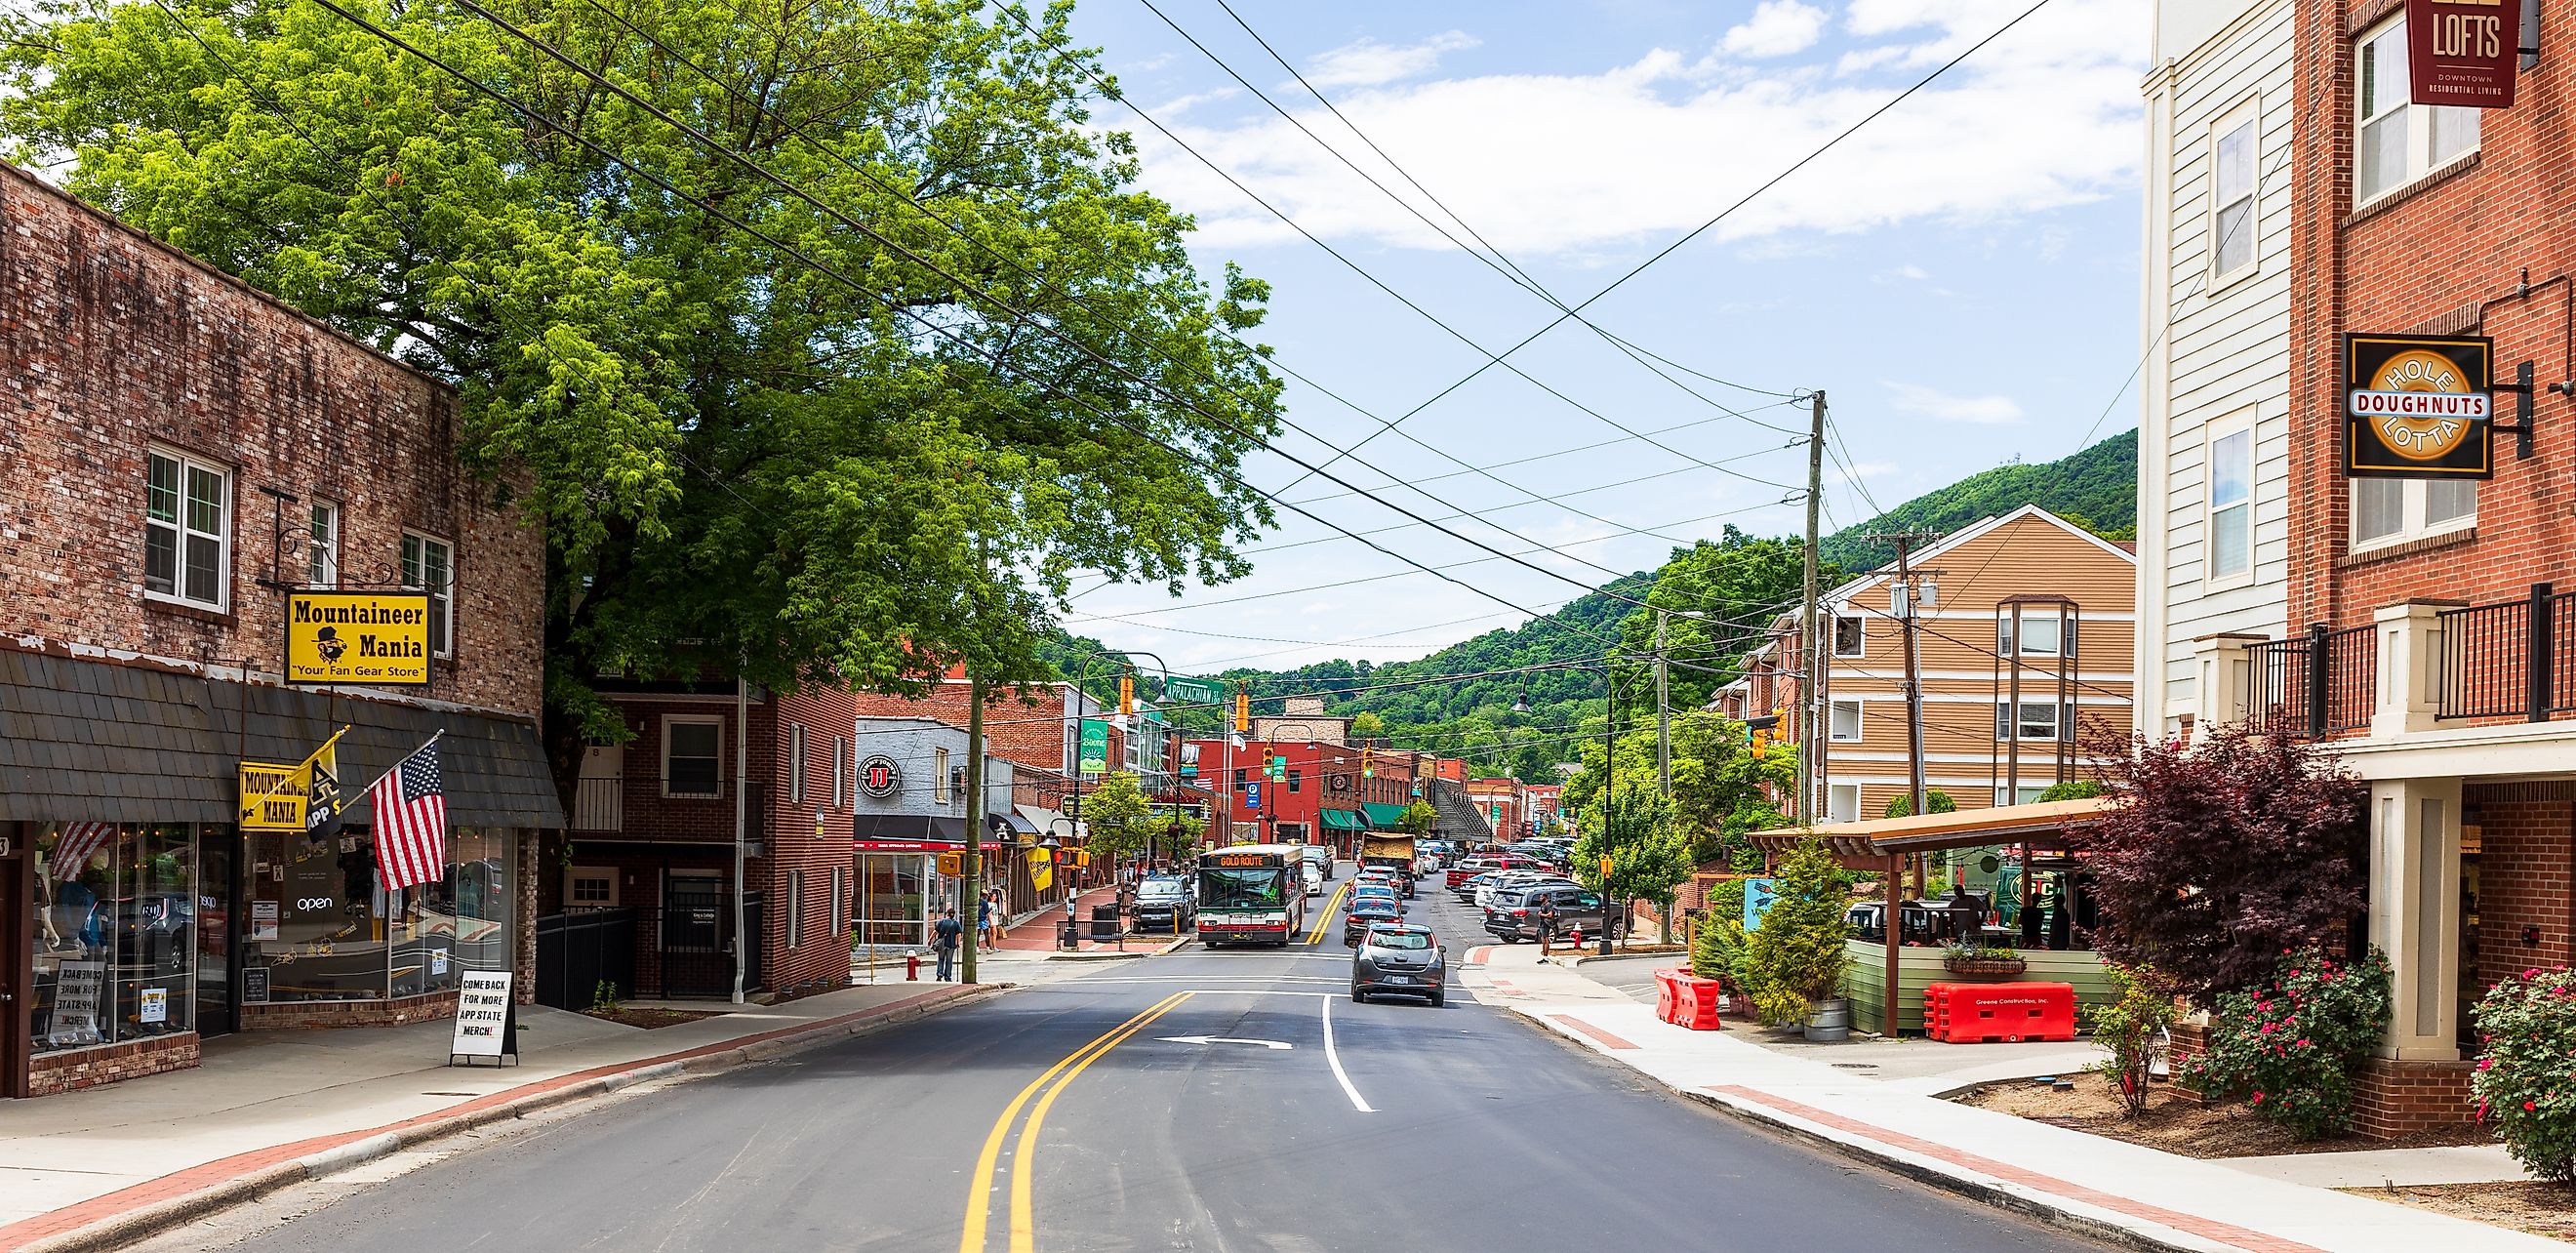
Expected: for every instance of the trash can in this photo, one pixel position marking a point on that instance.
(1104, 922)
(1068, 935)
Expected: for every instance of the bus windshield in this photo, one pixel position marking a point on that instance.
(1261, 888)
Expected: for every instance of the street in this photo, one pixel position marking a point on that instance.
(1151, 1105)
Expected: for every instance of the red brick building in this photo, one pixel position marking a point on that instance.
(1315, 800)
(180, 451)
(2446, 605)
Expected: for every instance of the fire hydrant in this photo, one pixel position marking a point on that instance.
(912, 966)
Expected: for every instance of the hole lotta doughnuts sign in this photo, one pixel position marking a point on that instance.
(2418, 406)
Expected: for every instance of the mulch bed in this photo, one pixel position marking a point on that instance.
(647, 1018)
(2543, 1209)
(2181, 1126)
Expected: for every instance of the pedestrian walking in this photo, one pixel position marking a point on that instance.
(1547, 924)
(944, 937)
(1001, 915)
(984, 918)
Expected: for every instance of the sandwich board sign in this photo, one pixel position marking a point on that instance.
(487, 1021)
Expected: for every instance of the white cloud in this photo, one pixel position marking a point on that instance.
(1929, 402)
(1776, 29)
(1368, 63)
(1909, 272)
(1572, 165)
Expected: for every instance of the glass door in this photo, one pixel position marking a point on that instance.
(218, 929)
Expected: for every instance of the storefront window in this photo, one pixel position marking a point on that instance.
(324, 931)
(116, 918)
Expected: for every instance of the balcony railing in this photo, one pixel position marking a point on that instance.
(2291, 693)
(2512, 659)
(599, 801)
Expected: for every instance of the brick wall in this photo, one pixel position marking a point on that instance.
(277, 1015)
(67, 1071)
(2424, 258)
(116, 342)
(2527, 849)
(1026, 733)
(2393, 1099)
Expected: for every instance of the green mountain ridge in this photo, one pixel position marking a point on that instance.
(1472, 717)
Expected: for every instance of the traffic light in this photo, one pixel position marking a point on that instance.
(1126, 694)
(1243, 709)
(1759, 734)
(1368, 763)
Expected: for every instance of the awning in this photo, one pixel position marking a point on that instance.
(908, 828)
(1010, 822)
(1342, 820)
(2040, 823)
(1382, 817)
(1052, 824)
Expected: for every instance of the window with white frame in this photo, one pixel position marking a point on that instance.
(2031, 633)
(2039, 720)
(2396, 142)
(1842, 802)
(692, 755)
(795, 908)
(842, 774)
(939, 775)
(2030, 794)
(1843, 726)
(2232, 178)
(321, 544)
(2389, 511)
(796, 763)
(429, 565)
(590, 887)
(840, 912)
(2231, 504)
(1851, 639)
(187, 515)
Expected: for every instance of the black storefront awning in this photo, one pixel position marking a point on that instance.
(935, 828)
(132, 743)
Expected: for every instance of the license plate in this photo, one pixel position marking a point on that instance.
(1399, 978)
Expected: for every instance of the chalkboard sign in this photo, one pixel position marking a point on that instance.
(255, 985)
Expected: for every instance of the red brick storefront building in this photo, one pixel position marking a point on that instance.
(177, 451)
(2447, 692)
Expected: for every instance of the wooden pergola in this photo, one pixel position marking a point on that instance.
(1883, 844)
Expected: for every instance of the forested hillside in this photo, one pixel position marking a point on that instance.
(2096, 489)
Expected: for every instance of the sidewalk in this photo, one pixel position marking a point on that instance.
(97, 1168)
(2108, 1187)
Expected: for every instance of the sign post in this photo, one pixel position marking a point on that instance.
(487, 1020)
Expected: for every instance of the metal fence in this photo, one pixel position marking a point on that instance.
(2291, 692)
(578, 952)
(599, 802)
(2511, 659)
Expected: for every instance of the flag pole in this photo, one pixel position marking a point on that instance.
(398, 761)
(301, 768)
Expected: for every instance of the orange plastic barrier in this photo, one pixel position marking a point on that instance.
(1999, 1013)
(1686, 1000)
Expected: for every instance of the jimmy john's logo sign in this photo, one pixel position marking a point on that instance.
(358, 637)
(2417, 406)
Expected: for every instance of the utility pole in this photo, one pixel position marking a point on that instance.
(1908, 619)
(973, 869)
(741, 823)
(1809, 784)
(1663, 711)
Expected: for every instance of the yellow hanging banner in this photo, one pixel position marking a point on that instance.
(270, 800)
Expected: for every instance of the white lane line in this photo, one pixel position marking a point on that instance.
(1334, 1056)
(1210, 978)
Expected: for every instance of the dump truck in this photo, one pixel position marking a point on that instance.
(1395, 852)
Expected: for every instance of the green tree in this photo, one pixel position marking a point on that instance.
(1739, 583)
(1648, 857)
(1795, 957)
(1366, 725)
(1117, 818)
(1419, 818)
(1934, 800)
(737, 458)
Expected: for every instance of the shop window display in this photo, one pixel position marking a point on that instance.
(325, 931)
(115, 943)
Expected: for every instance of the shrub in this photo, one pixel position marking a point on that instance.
(2133, 1025)
(2525, 1081)
(2292, 1044)
(2073, 790)
(1934, 801)
(1795, 958)
(1717, 950)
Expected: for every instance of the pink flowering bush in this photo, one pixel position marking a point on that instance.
(2526, 1079)
(2291, 1045)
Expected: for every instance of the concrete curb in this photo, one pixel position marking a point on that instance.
(2055, 1211)
(160, 1217)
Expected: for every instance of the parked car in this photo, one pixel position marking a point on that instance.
(1321, 858)
(1515, 879)
(1466, 889)
(1163, 904)
(1366, 912)
(1466, 868)
(1519, 914)
(1401, 959)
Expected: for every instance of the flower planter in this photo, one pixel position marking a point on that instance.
(1984, 965)
(1686, 1000)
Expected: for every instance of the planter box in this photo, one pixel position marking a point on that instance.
(1984, 965)
(1919, 967)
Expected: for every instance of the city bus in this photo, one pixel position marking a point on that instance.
(1252, 893)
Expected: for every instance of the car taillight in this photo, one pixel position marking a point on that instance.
(1520, 913)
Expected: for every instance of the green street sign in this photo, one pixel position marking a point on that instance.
(1095, 746)
(1194, 691)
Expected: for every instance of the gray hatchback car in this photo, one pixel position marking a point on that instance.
(1400, 959)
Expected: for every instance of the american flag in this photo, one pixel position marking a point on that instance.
(411, 821)
(77, 843)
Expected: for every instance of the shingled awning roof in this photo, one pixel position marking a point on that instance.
(99, 741)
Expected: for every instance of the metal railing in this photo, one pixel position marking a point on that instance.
(599, 801)
(2511, 659)
(2291, 692)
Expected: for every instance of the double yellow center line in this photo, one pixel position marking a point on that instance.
(979, 1196)
(1331, 903)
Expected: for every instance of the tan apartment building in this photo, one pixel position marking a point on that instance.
(2026, 640)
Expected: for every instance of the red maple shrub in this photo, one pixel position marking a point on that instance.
(2223, 855)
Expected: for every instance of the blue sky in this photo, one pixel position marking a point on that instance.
(1960, 276)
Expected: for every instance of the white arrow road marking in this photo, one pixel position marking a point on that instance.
(1223, 1039)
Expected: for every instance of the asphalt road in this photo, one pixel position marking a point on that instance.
(1087, 1114)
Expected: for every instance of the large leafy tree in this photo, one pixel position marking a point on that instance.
(1118, 819)
(1649, 858)
(1737, 584)
(1720, 788)
(2224, 855)
(859, 451)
